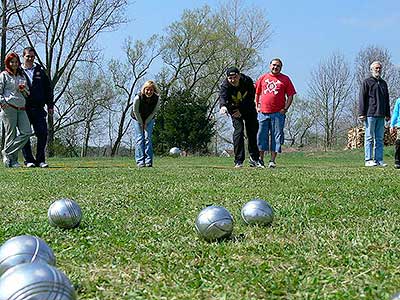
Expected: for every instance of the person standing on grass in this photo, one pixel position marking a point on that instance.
(394, 129)
(13, 91)
(236, 98)
(145, 106)
(41, 95)
(274, 95)
(374, 109)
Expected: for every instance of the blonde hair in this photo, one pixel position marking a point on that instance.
(149, 83)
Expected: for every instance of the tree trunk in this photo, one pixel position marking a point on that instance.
(86, 139)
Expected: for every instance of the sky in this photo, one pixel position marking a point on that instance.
(304, 32)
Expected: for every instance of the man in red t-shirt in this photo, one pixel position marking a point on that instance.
(274, 95)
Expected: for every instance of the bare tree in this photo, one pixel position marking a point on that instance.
(199, 47)
(330, 90)
(90, 96)
(66, 29)
(299, 121)
(127, 76)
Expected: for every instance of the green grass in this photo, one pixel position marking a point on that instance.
(336, 233)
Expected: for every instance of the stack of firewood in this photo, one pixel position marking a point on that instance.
(355, 137)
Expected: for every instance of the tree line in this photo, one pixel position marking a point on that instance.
(93, 98)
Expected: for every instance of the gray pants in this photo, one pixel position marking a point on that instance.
(13, 119)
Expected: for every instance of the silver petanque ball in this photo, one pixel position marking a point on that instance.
(24, 249)
(214, 223)
(37, 281)
(64, 213)
(175, 152)
(257, 211)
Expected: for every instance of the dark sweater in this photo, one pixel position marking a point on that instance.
(240, 97)
(41, 92)
(144, 107)
(374, 98)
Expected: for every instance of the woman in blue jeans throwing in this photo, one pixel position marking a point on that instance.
(145, 106)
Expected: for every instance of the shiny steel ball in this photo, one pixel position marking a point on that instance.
(64, 213)
(35, 281)
(175, 151)
(257, 211)
(214, 223)
(24, 249)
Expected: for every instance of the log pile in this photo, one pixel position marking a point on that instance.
(355, 137)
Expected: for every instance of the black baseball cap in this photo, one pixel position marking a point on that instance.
(232, 71)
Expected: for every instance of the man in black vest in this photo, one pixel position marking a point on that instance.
(41, 94)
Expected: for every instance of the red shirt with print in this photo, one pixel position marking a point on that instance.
(273, 90)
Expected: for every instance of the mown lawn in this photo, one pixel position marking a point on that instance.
(336, 233)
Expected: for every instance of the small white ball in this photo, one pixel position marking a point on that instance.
(175, 151)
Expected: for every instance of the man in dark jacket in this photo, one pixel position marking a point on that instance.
(374, 109)
(236, 98)
(41, 94)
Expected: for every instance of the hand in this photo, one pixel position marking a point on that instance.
(387, 119)
(236, 114)
(25, 92)
(50, 111)
(283, 111)
(393, 130)
(223, 110)
(362, 118)
(3, 106)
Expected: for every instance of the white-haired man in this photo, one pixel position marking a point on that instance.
(374, 109)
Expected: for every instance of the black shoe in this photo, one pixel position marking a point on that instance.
(396, 166)
(252, 163)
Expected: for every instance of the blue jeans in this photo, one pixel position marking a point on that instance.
(373, 143)
(143, 143)
(270, 131)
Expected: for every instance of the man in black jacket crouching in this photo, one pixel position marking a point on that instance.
(236, 98)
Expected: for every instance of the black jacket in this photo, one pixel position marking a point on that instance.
(41, 92)
(240, 97)
(374, 98)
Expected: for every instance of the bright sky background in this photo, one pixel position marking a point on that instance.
(304, 31)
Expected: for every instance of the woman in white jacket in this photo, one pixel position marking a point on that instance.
(145, 106)
(13, 90)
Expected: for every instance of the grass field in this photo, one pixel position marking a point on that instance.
(336, 233)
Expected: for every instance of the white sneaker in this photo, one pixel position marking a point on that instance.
(43, 165)
(271, 164)
(30, 165)
(381, 163)
(370, 163)
(238, 165)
